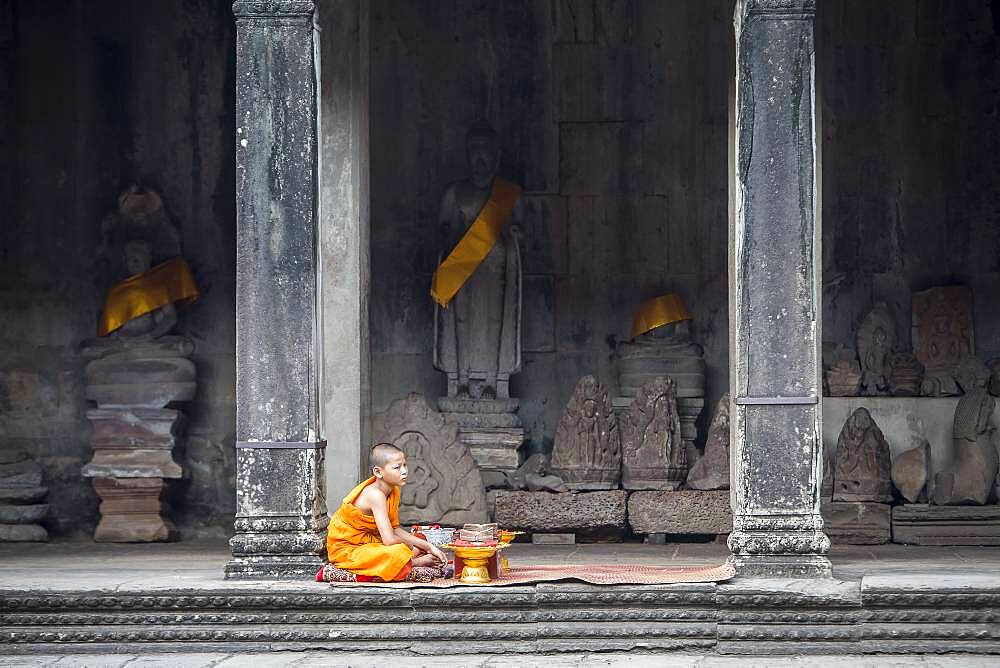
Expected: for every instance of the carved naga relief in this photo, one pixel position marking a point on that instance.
(587, 451)
(444, 484)
(653, 455)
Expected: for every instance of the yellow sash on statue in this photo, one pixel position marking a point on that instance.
(168, 282)
(659, 311)
(477, 243)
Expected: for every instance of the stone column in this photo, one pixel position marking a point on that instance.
(774, 287)
(280, 501)
(345, 386)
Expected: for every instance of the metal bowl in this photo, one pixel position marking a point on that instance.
(439, 536)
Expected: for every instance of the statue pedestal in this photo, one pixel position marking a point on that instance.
(492, 431)
(133, 454)
(131, 511)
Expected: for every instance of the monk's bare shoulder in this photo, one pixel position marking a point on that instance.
(370, 499)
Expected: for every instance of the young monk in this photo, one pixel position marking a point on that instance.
(364, 541)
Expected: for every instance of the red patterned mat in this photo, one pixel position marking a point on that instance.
(600, 574)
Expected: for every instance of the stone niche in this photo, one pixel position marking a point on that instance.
(135, 370)
(904, 421)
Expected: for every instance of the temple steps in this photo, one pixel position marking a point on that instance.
(744, 616)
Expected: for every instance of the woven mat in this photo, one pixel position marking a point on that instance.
(600, 574)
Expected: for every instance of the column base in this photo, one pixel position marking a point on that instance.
(274, 567)
(782, 566)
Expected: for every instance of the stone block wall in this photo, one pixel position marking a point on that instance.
(103, 94)
(614, 117)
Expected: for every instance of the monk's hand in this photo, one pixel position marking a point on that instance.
(438, 554)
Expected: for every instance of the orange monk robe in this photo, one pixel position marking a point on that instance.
(353, 542)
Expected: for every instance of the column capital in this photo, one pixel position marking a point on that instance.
(782, 8)
(263, 9)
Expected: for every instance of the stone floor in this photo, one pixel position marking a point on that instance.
(83, 565)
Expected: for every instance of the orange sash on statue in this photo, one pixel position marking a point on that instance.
(477, 243)
(166, 283)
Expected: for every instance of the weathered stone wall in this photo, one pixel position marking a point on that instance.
(103, 94)
(613, 117)
(911, 158)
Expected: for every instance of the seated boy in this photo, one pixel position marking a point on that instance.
(365, 543)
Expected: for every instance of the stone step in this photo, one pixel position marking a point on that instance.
(891, 614)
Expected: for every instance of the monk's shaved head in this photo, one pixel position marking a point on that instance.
(381, 453)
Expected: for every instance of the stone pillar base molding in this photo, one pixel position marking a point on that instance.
(290, 543)
(782, 566)
(780, 546)
(272, 567)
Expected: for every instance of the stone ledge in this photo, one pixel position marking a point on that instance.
(896, 614)
(856, 522)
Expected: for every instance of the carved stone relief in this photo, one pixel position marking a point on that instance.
(970, 479)
(906, 375)
(712, 470)
(863, 467)
(444, 483)
(876, 339)
(653, 455)
(942, 334)
(587, 450)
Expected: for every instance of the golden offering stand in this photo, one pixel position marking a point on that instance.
(476, 557)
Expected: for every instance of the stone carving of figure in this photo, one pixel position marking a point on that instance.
(138, 256)
(971, 477)
(478, 336)
(942, 334)
(667, 350)
(911, 468)
(906, 375)
(135, 369)
(653, 455)
(533, 475)
(842, 371)
(712, 470)
(863, 466)
(876, 339)
(587, 451)
(972, 373)
(994, 384)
